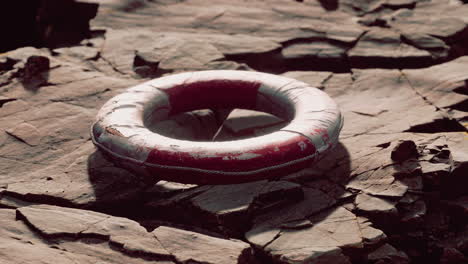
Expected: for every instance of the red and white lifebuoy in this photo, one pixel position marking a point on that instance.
(121, 127)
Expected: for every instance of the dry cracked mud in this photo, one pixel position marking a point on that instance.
(394, 190)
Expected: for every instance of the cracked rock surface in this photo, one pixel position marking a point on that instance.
(394, 190)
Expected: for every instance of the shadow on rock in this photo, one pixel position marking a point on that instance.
(234, 209)
(117, 191)
(329, 5)
(35, 73)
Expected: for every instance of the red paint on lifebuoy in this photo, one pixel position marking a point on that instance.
(214, 94)
(272, 155)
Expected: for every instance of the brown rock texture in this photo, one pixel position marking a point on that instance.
(394, 190)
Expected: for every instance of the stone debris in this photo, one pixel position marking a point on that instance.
(189, 247)
(72, 230)
(404, 150)
(392, 191)
(387, 254)
(34, 66)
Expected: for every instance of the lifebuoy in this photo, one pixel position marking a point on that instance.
(121, 132)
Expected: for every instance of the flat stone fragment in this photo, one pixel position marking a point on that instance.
(19, 243)
(27, 133)
(267, 225)
(370, 235)
(443, 84)
(318, 55)
(229, 206)
(442, 27)
(56, 222)
(224, 208)
(387, 253)
(383, 47)
(224, 200)
(79, 52)
(437, 47)
(240, 121)
(311, 255)
(334, 229)
(388, 112)
(174, 53)
(379, 182)
(166, 188)
(377, 205)
(188, 246)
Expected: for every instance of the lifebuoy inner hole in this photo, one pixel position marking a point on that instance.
(220, 94)
(207, 125)
(215, 94)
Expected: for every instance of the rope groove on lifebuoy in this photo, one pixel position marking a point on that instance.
(121, 129)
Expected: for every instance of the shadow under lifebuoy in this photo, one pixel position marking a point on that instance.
(119, 192)
(116, 190)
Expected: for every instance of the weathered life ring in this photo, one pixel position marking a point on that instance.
(121, 128)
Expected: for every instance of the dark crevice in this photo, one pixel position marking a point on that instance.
(329, 5)
(384, 145)
(396, 6)
(146, 68)
(383, 7)
(462, 106)
(319, 39)
(275, 62)
(454, 185)
(438, 126)
(16, 137)
(40, 199)
(271, 61)
(114, 68)
(262, 256)
(6, 100)
(63, 235)
(132, 5)
(7, 64)
(140, 254)
(462, 89)
(312, 63)
(365, 62)
(374, 22)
